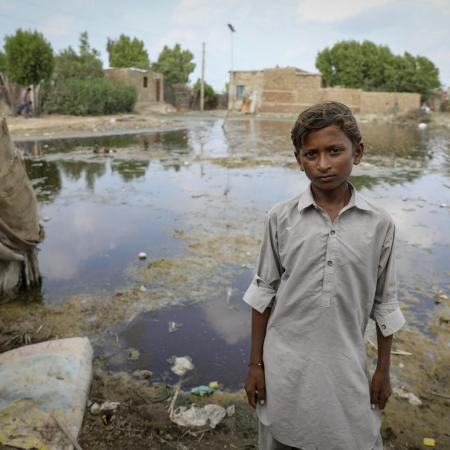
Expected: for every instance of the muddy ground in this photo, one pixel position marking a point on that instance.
(142, 420)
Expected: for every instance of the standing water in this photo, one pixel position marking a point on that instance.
(194, 200)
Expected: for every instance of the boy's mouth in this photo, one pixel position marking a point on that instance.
(326, 177)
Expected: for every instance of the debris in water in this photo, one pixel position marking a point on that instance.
(202, 390)
(133, 354)
(142, 288)
(142, 255)
(422, 126)
(213, 384)
(174, 326)
(181, 364)
(142, 374)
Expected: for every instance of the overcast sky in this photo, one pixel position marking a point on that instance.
(268, 33)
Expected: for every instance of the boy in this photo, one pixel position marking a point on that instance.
(326, 265)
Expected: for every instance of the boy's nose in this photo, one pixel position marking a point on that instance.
(323, 163)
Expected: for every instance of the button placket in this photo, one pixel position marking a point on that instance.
(328, 278)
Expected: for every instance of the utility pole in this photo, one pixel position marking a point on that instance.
(202, 83)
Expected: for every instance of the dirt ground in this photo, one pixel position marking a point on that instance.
(50, 126)
(142, 419)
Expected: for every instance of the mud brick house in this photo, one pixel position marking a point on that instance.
(149, 84)
(291, 90)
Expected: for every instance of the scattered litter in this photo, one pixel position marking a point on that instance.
(95, 409)
(133, 354)
(401, 353)
(109, 407)
(112, 120)
(229, 294)
(202, 390)
(413, 399)
(443, 205)
(142, 288)
(174, 326)
(142, 255)
(209, 415)
(444, 319)
(181, 364)
(429, 442)
(231, 410)
(142, 374)
(440, 297)
(401, 365)
(46, 219)
(422, 126)
(213, 384)
(104, 408)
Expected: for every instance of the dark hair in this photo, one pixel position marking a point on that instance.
(323, 115)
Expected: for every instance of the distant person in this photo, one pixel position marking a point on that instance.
(325, 266)
(25, 106)
(425, 108)
(395, 108)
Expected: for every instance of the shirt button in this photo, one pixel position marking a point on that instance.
(330, 263)
(332, 232)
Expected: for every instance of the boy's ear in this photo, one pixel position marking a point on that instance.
(358, 153)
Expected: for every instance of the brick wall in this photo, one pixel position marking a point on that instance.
(252, 81)
(382, 102)
(288, 90)
(135, 77)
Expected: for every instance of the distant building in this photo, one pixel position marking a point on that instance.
(148, 84)
(291, 90)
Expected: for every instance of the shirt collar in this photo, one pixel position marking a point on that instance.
(306, 199)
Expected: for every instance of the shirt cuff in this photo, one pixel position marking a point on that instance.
(389, 322)
(259, 295)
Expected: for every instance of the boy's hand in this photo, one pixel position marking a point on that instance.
(380, 389)
(255, 386)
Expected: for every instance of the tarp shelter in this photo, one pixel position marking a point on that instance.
(20, 231)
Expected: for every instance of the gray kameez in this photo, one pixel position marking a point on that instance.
(323, 281)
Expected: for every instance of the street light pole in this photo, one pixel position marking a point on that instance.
(202, 84)
(232, 31)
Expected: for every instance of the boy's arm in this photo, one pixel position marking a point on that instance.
(255, 384)
(380, 389)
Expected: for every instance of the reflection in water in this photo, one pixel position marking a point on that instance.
(74, 170)
(130, 170)
(46, 179)
(215, 335)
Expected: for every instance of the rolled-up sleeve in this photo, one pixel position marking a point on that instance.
(385, 310)
(264, 285)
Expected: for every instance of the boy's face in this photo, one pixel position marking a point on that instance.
(327, 157)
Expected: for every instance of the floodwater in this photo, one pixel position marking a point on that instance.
(194, 200)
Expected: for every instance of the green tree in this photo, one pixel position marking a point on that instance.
(2, 62)
(28, 58)
(86, 65)
(127, 52)
(210, 95)
(175, 64)
(374, 68)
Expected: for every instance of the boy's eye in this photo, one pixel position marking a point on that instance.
(310, 155)
(335, 150)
